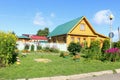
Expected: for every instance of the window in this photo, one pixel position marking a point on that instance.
(64, 39)
(72, 39)
(92, 39)
(54, 40)
(84, 39)
(82, 26)
(78, 39)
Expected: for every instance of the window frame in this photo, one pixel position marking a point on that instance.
(82, 27)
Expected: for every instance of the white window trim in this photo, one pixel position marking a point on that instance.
(82, 27)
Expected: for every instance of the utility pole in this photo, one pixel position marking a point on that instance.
(111, 33)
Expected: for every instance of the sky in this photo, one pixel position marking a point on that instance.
(28, 16)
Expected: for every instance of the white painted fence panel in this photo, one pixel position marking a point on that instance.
(61, 47)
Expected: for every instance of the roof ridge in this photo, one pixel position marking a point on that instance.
(67, 27)
(71, 20)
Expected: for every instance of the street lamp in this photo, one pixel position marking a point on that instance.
(111, 33)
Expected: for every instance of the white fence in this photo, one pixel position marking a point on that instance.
(61, 47)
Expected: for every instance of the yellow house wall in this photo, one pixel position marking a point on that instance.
(88, 39)
(58, 39)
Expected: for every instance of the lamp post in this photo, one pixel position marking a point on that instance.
(111, 33)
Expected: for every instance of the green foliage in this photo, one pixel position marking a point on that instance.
(84, 48)
(52, 49)
(73, 48)
(39, 47)
(44, 32)
(116, 44)
(55, 50)
(94, 51)
(112, 54)
(46, 49)
(106, 45)
(32, 47)
(26, 47)
(95, 45)
(7, 48)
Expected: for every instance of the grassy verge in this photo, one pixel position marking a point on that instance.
(59, 66)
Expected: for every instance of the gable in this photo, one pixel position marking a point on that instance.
(87, 30)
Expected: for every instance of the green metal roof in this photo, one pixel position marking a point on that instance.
(64, 28)
(23, 37)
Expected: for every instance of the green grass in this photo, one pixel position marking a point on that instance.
(59, 66)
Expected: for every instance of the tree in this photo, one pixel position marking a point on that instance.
(44, 32)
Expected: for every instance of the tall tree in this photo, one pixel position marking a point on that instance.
(44, 32)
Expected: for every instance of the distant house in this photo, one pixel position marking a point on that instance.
(77, 30)
(35, 38)
(28, 39)
(23, 38)
(41, 39)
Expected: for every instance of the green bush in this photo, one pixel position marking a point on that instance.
(74, 48)
(32, 47)
(84, 48)
(48, 49)
(39, 47)
(55, 50)
(7, 48)
(116, 44)
(94, 50)
(26, 47)
(106, 45)
(112, 54)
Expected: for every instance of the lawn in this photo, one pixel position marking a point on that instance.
(29, 68)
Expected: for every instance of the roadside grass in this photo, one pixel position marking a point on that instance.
(29, 68)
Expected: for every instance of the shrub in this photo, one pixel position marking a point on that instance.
(32, 47)
(46, 49)
(94, 51)
(116, 44)
(84, 48)
(39, 47)
(74, 48)
(55, 50)
(7, 48)
(106, 45)
(112, 54)
(26, 47)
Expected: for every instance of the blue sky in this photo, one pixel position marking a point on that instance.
(28, 16)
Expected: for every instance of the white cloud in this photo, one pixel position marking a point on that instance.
(102, 17)
(52, 15)
(40, 20)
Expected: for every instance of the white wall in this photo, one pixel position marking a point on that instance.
(61, 47)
